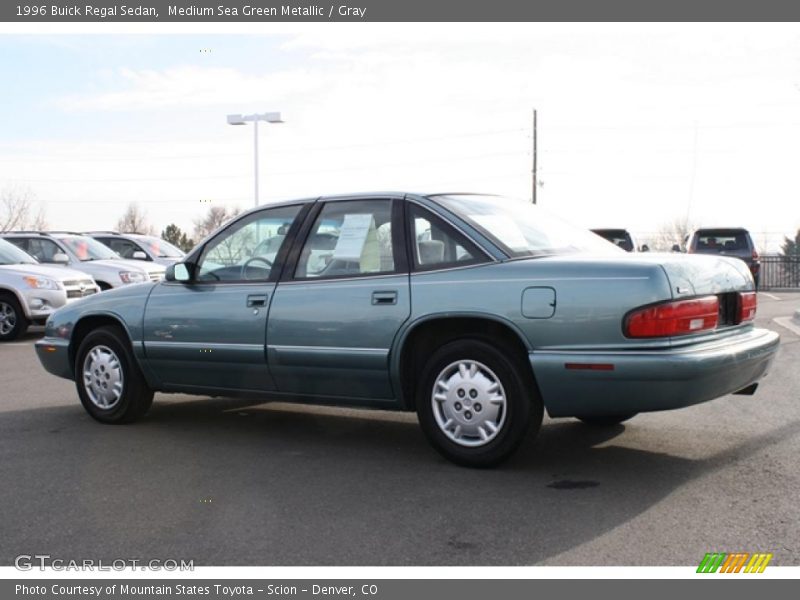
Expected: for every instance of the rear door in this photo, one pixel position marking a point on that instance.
(341, 301)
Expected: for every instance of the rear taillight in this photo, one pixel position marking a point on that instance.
(746, 307)
(755, 255)
(673, 318)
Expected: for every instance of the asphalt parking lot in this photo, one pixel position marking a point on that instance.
(227, 482)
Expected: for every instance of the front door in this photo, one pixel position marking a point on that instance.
(335, 315)
(209, 332)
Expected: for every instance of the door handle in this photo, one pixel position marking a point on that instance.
(257, 300)
(385, 297)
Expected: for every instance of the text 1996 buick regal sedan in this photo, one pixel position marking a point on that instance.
(477, 312)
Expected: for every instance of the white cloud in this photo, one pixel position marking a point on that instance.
(448, 106)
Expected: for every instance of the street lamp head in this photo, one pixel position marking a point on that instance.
(272, 117)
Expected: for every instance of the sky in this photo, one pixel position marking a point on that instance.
(638, 124)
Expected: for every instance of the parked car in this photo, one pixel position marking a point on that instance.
(727, 241)
(138, 246)
(30, 292)
(622, 238)
(81, 252)
(477, 312)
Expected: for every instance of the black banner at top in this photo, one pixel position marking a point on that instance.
(265, 11)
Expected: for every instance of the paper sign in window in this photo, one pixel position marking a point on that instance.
(358, 242)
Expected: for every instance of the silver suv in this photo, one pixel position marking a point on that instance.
(30, 292)
(139, 246)
(86, 254)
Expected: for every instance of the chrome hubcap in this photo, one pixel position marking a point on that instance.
(8, 318)
(469, 403)
(102, 377)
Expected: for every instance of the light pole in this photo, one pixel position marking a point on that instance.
(270, 117)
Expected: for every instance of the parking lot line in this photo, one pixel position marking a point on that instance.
(788, 323)
(774, 297)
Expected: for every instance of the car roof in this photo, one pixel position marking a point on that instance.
(717, 229)
(610, 230)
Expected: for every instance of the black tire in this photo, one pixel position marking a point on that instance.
(522, 413)
(135, 397)
(14, 322)
(103, 286)
(606, 420)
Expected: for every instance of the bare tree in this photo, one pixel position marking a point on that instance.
(40, 222)
(135, 220)
(19, 209)
(672, 233)
(215, 217)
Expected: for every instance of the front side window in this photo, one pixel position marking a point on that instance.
(349, 238)
(247, 250)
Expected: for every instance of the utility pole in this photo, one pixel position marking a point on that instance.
(533, 170)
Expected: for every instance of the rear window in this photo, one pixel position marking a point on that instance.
(721, 241)
(618, 237)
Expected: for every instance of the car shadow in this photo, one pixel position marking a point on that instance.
(227, 482)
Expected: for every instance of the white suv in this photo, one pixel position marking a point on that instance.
(81, 252)
(30, 292)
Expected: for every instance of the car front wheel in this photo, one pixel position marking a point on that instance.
(13, 323)
(475, 404)
(111, 387)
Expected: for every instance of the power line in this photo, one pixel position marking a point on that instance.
(279, 172)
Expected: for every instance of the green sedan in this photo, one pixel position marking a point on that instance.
(477, 312)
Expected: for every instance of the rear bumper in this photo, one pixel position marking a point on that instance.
(643, 381)
(53, 353)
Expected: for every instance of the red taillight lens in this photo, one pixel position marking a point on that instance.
(746, 307)
(674, 318)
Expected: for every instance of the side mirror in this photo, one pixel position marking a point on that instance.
(676, 248)
(178, 272)
(139, 255)
(645, 248)
(60, 258)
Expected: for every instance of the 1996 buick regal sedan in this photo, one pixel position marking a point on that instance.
(477, 312)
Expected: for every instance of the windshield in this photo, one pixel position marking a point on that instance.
(11, 255)
(159, 247)
(522, 229)
(86, 248)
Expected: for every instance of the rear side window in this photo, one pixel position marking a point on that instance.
(349, 239)
(437, 245)
(122, 247)
(42, 250)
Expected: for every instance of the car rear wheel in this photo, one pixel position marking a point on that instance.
(606, 420)
(475, 404)
(13, 323)
(111, 387)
